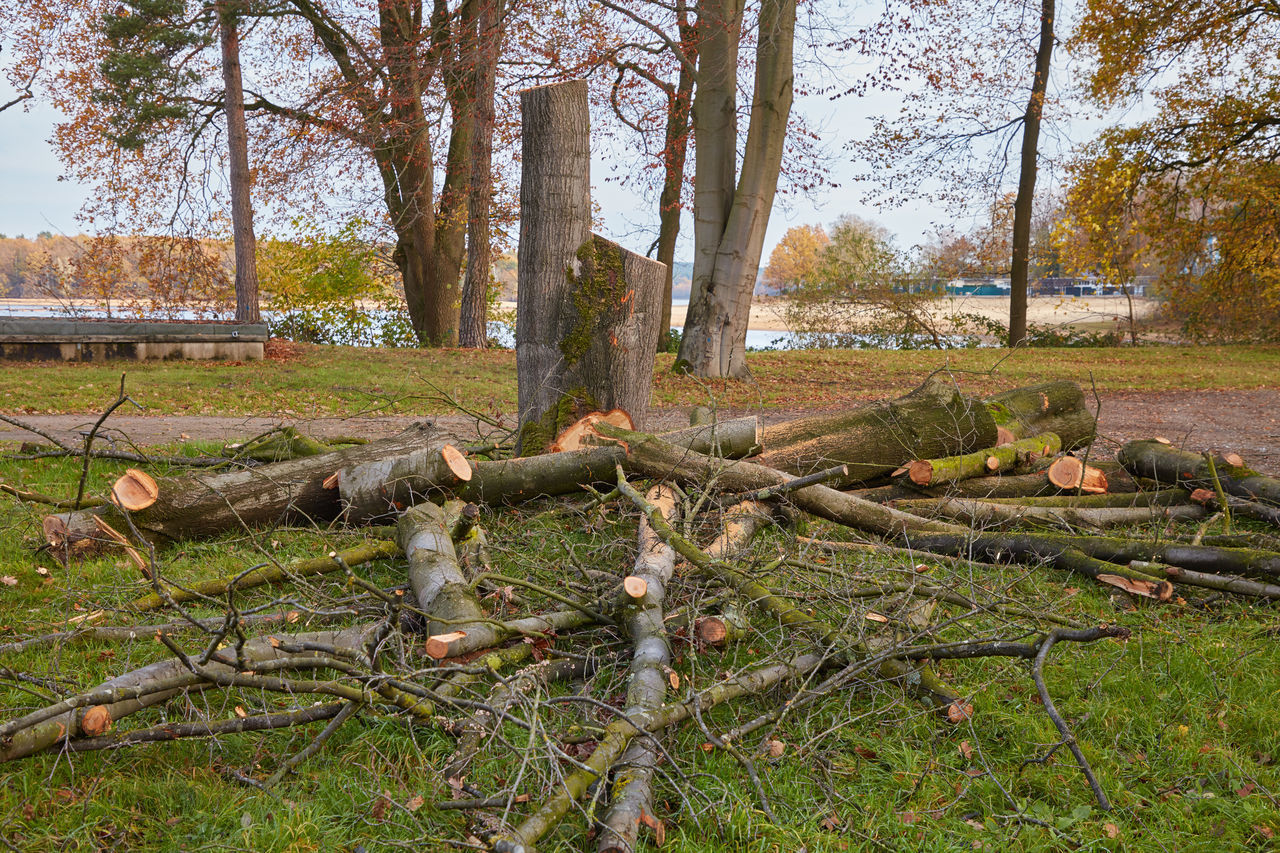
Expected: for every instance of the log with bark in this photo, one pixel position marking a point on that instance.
(207, 504)
(1169, 465)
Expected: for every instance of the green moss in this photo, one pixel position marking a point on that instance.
(536, 436)
(598, 288)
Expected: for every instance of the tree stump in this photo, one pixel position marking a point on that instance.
(588, 311)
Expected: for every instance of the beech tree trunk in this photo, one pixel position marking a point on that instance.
(241, 180)
(473, 319)
(1022, 205)
(588, 312)
(730, 221)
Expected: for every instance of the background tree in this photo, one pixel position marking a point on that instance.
(796, 261)
(1192, 191)
(148, 85)
(732, 204)
(975, 85)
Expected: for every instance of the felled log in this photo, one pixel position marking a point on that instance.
(379, 488)
(933, 420)
(983, 514)
(150, 685)
(1056, 407)
(438, 586)
(587, 320)
(1250, 562)
(1169, 465)
(631, 792)
(508, 481)
(1239, 506)
(619, 734)
(981, 463)
(651, 457)
(1071, 474)
(210, 503)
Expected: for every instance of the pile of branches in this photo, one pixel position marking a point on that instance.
(578, 675)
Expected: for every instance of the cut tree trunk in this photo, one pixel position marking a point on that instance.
(207, 504)
(631, 792)
(382, 487)
(980, 463)
(1169, 465)
(1056, 407)
(588, 314)
(933, 420)
(437, 583)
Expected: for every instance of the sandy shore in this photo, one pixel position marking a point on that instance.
(768, 315)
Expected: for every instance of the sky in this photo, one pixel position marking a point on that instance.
(34, 199)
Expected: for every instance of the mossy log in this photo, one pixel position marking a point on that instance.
(980, 463)
(1249, 562)
(1169, 465)
(207, 504)
(631, 795)
(1036, 549)
(983, 514)
(438, 586)
(933, 420)
(1057, 407)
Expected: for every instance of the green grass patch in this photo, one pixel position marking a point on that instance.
(1178, 722)
(346, 381)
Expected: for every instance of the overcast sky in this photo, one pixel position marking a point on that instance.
(33, 199)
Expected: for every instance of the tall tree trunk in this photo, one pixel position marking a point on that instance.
(473, 322)
(241, 181)
(679, 109)
(405, 165)
(1022, 206)
(587, 313)
(730, 238)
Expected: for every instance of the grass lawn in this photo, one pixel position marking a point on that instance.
(1179, 722)
(348, 380)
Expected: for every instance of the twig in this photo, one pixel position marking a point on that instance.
(1037, 674)
(93, 432)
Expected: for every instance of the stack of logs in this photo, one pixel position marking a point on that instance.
(1006, 479)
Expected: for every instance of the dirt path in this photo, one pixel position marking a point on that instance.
(1247, 422)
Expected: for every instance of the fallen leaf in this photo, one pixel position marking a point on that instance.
(959, 711)
(379, 810)
(966, 750)
(707, 747)
(876, 617)
(1264, 831)
(241, 712)
(1111, 830)
(1245, 790)
(291, 616)
(415, 802)
(908, 817)
(830, 822)
(776, 748)
(869, 754)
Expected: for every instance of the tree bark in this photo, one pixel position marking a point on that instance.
(587, 316)
(1023, 203)
(933, 420)
(438, 586)
(730, 222)
(1169, 465)
(1056, 407)
(241, 179)
(980, 463)
(206, 504)
(473, 319)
